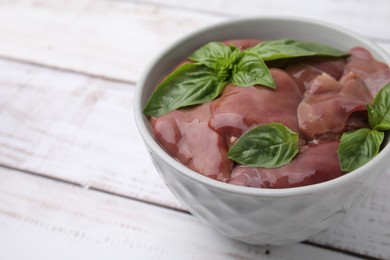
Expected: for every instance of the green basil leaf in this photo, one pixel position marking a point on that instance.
(288, 48)
(269, 146)
(373, 116)
(379, 112)
(189, 84)
(216, 55)
(251, 70)
(358, 147)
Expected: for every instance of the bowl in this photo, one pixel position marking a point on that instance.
(255, 215)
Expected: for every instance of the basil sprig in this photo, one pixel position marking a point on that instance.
(360, 146)
(288, 48)
(217, 56)
(216, 64)
(269, 146)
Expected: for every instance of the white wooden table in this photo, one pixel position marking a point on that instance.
(75, 179)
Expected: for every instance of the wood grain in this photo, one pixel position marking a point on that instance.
(367, 230)
(52, 220)
(75, 128)
(111, 39)
(365, 17)
(116, 39)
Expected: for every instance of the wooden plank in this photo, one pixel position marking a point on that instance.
(80, 129)
(116, 39)
(112, 39)
(369, 18)
(76, 128)
(367, 230)
(52, 220)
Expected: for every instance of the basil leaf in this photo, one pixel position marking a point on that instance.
(269, 146)
(216, 55)
(379, 112)
(189, 84)
(251, 70)
(373, 116)
(358, 147)
(288, 48)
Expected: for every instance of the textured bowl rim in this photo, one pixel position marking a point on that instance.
(285, 192)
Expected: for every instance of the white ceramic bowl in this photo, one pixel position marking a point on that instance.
(253, 215)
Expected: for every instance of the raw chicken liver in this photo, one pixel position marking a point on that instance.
(319, 99)
(185, 135)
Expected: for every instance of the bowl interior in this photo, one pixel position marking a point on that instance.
(261, 28)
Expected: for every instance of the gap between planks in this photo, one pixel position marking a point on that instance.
(41, 175)
(68, 70)
(166, 5)
(109, 193)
